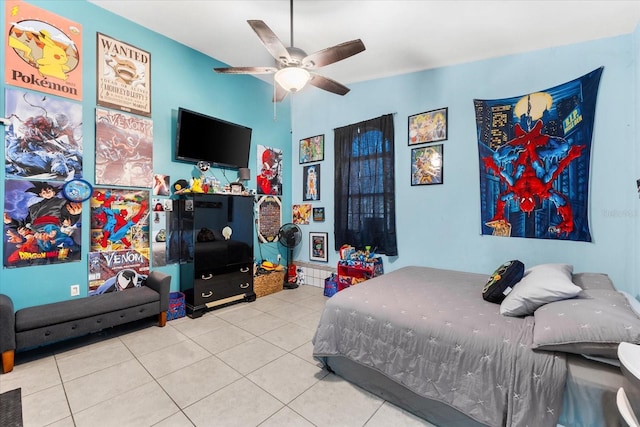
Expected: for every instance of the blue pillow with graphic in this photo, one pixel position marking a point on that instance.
(502, 281)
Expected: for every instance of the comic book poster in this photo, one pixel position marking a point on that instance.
(534, 154)
(115, 271)
(44, 139)
(124, 149)
(159, 232)
(43, 50)
(269, 179)
(123, 76)
(40, 225)
(120, 220)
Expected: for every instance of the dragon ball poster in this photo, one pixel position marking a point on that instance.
(124, 149)
(534, 155)
(44, 139)
(43, 51)
(301, 213)
(40, 226)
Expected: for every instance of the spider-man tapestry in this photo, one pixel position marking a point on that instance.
(534, 153)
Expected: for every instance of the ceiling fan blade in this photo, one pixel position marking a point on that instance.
(327, 84)
(246, 70)
(270, 40)
(279, 93)
(333, 54)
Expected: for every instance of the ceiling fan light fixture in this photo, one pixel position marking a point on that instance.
(292, 79)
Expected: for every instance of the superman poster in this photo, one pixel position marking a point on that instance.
(534, 155)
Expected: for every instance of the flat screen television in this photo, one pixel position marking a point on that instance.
(221, 143)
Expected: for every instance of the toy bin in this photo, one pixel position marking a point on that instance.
(176, 306)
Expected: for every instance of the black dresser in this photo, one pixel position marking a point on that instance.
(212, 239)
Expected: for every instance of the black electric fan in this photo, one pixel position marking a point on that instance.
(290, 236)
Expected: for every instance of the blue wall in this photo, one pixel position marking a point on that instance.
(180, 77)
(439, 226)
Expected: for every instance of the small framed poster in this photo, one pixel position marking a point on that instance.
(311, 183)
(312, 149)
(318, 247)
(318, 214)
(431, 126)
(426, 165)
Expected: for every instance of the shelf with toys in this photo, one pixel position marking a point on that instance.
(357, 266)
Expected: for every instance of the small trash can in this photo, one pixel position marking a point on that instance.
(176, 306)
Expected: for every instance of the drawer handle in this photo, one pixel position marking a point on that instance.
(207, 295)
(244, 270)
(207, 277)
(244, 285)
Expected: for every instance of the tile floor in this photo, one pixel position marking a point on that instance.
(245, 365)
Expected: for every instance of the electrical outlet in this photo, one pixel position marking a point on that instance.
(279, 257)
(75, 290)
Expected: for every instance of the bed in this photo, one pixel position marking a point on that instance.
(425, 340)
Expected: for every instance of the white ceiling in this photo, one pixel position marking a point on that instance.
(400, 36)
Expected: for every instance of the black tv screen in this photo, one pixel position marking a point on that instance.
(221, 143)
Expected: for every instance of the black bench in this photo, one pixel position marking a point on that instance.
(44, 324)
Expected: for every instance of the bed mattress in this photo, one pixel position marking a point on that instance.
(428, 331)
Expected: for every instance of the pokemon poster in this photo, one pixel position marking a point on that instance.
(43, 51)
(534, 154)
(124, 149)
(44, 139)
(40, 226)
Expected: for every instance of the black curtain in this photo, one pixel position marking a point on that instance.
(365, 186)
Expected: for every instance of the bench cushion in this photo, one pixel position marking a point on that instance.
(64, 311)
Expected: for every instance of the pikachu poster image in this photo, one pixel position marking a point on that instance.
(43, 51)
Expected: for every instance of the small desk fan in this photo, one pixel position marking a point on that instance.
(290, 236)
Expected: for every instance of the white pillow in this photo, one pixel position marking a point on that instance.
(540, 285)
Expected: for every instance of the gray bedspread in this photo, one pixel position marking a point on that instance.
(430, 331)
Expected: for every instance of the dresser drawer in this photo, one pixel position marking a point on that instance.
(210, 288)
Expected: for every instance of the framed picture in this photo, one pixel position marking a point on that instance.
(318, 247)
(123, 76)
(312, 149)
(318, 214)
(311, 183)
(431, 126)
(426, 165)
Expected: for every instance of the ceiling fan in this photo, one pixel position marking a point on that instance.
(294, 68)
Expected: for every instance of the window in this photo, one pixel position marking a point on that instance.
(364, 186)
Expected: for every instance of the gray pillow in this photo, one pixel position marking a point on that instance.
(540, 285)
(588, 281)
(593, 324)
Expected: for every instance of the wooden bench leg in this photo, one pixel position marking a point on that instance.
(7, 361)
(162, 319)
